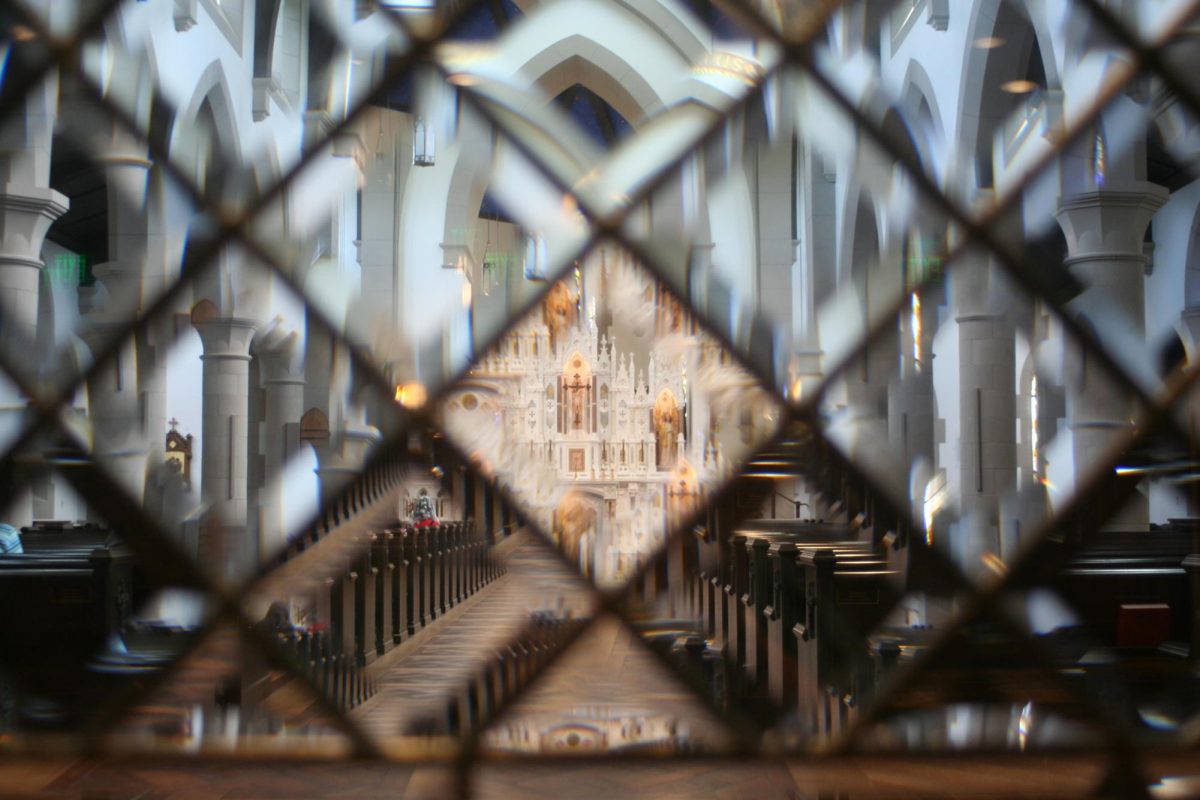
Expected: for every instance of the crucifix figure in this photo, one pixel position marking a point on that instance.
(577, 387)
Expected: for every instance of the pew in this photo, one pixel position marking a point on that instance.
(743, 620)
(785, 607)
(413, 616)
(395, 628)
(313, 654)
(365, 578)
(510, 668)
(1113, 570)
(72, 590)
(72, 595)
(844, 596)
(381, 557)
(425, 561)
(436, 582)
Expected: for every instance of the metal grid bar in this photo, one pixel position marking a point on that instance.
(979, 230)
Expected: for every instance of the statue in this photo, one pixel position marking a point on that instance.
(667, 429)
(575, 518)
(422, 515)
(577, 407)
(559, 312)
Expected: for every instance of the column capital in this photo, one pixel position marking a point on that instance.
(1110, 221)
(26, 213)
(222, 337)
(456, 255)
(278, 351)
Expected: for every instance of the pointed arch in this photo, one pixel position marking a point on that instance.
(211, 95)
(920, 110)
(1024, 52)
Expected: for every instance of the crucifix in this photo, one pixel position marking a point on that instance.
(577, 387)
(174, 423)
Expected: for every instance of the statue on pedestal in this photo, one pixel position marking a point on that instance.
(422, 515)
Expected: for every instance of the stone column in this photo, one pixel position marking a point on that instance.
(28, 206)
(120, 431)
(26, 213)
(119, 440)
(1104, 229)
(281, 358)
(341, 458)
(226, 384)
(987, 406)
(911, 419)
(132, 285)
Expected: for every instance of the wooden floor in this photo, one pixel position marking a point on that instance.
(952, 778)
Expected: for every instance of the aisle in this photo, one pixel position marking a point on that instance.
(415, 682)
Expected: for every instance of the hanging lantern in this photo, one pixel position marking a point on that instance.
(423, 144)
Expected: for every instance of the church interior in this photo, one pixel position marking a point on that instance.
(593, 398)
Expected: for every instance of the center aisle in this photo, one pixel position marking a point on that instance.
(415, 682)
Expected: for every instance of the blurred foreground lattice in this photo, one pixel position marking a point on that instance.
(513, 397)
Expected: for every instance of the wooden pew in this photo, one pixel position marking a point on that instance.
(381, 558)
(1111, 569)
(742, 625)
(512, 667)
(67, 594)
(438, 553)
(70, 599)
(457, 534)
(398, 580)
(843, 595)
(366, 580)
(413, 619)
(733, 617)
(341, 612)
(784, 609)
(420, 540)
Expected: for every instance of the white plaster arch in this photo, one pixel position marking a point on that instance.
(580, 59)
(975, 102)
(609, 50)
(850, 263)
(635, 56)
(1046, 40)
(1191, 280)
(927, 130)
(212, 86)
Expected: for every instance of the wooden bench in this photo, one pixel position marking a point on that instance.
(844, 596)
(747, 618)
(1111, 569)
(785, 609)
(71, 600)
